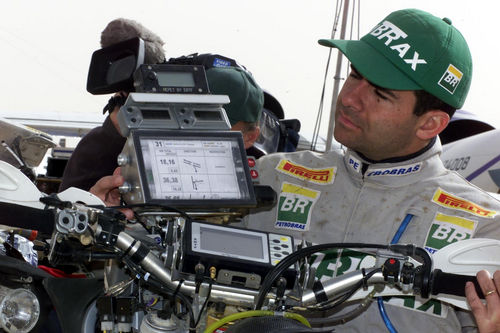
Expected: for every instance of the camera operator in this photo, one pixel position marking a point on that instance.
(96, 154)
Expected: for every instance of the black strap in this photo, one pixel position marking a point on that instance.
(113, 102)
(319, 292)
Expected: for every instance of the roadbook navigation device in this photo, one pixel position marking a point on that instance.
(180, 151)
(183, 168)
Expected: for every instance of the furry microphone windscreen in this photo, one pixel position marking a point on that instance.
(122, 29)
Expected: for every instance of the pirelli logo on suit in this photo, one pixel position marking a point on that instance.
(448, 200)
(317, 176)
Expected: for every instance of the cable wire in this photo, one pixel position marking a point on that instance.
(380, 300)
(297, 255)
(145, 205)
(254, 313)
(204, 304)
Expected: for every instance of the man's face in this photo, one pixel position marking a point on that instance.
(249, 136)
(377, 122)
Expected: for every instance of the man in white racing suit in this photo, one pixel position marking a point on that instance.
(408, 76)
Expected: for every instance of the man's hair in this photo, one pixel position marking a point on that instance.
(122, 29)
(426, 102)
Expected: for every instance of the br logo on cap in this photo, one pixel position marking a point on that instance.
(450, 79)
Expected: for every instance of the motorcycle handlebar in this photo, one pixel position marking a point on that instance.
(435, 283)
(141, 255)
(452, 284)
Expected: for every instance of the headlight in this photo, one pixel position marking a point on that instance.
(19, 310)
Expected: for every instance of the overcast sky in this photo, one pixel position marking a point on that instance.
(47, 45)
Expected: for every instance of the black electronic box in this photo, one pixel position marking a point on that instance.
(237, 254)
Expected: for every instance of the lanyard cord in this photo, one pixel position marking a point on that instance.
(380, 301)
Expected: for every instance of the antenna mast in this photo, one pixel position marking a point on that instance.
(337, 78)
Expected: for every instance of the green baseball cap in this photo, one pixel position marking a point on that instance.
(413, 50)
(245, 95)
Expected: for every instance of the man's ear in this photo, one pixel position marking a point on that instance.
(249, 137)
(431, 124)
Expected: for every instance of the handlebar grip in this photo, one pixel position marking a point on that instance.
(452, 284)
(24, 217)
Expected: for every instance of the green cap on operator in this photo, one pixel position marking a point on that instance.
(245, 95)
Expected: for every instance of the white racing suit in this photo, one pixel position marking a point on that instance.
(340, 197)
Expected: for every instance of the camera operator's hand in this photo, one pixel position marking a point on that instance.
(106, 189)
(487, 315)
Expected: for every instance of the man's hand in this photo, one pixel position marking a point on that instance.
(487, 315)
(106, 189)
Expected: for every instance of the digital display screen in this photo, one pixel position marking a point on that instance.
(175, 79)
(195, 169)
(230, 242)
